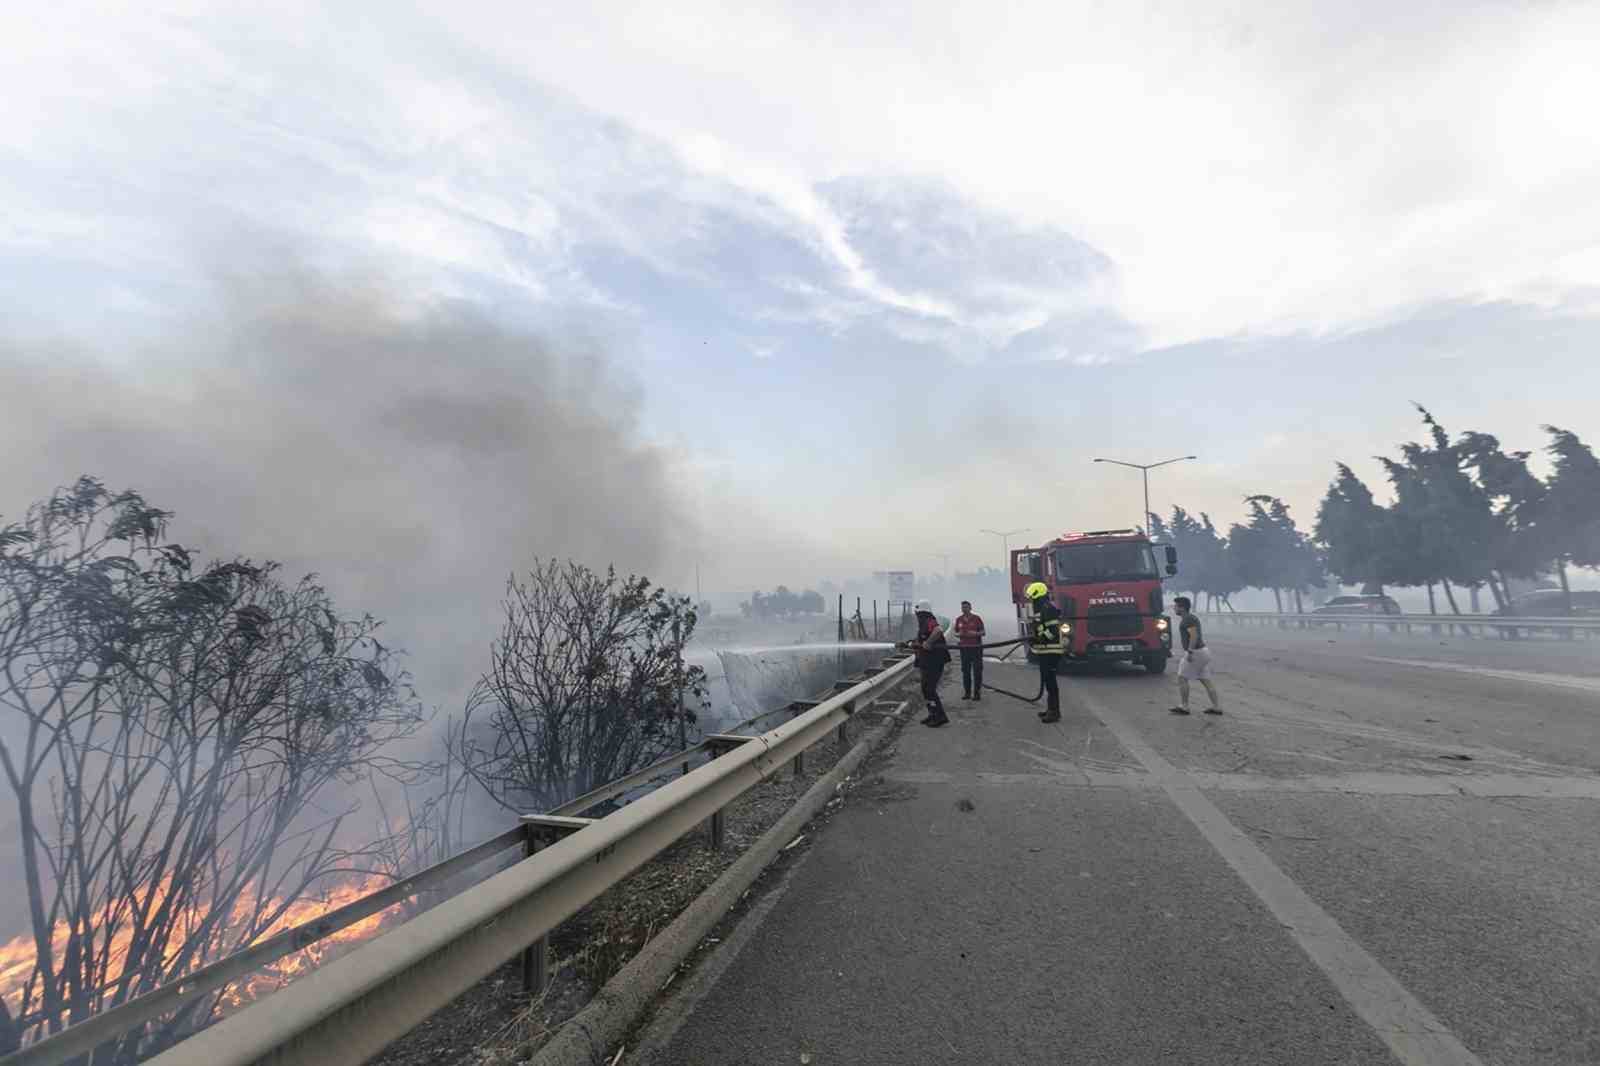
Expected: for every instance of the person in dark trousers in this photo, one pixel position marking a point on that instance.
(1048, 646)
(969, 638)
(933, 655)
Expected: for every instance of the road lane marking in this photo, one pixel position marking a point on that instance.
(1060, 774)
(1401, 1021)
(1377, 783)
(1572, 681)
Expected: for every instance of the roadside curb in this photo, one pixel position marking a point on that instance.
(586, 1038)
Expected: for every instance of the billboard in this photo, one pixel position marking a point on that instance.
(902, 584)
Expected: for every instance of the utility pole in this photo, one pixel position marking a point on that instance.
(1145, 468)
(1005, 536)
(683, 725)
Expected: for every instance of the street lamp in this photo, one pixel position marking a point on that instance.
(1145, 469)
(1005, 538)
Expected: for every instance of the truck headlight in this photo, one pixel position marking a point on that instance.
(1066, 629)
(1162, 624)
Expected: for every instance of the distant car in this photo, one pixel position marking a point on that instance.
(1551, 603)
(1359, 605)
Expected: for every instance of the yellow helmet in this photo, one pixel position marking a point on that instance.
(1036, 591)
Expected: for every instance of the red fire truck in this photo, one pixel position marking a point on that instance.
(1108, 587)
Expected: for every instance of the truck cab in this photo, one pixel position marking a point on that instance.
(1107, 584)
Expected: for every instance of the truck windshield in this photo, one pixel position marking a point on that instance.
(1126, 561)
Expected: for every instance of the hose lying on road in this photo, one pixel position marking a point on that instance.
(1035, 698)
(1013, 644)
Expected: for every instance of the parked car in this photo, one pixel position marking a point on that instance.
(1360, 605)
(1551, 603)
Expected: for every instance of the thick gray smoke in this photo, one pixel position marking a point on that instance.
(411, 456)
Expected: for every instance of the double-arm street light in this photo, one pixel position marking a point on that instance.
(1005, 536)
(1145, 469)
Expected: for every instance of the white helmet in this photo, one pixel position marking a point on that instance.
(923, 607)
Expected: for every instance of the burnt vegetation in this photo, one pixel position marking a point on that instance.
(185, 745)
(587, 683)
(170, 734)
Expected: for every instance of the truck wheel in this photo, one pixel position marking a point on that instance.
(1156, 664)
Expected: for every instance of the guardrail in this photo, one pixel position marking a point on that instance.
(1500, 624)
(349, 1009)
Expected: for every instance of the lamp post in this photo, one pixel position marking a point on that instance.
(1005, 536)
(1145, 468)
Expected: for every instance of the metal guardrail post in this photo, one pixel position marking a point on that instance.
(844, 685)
(542, 830)
(535, 957)
(720, 744)
(796, 709)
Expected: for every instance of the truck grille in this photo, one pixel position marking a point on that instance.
(1114, 621)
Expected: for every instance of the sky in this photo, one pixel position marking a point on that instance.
(409, 294)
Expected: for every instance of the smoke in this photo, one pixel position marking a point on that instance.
(410, 454)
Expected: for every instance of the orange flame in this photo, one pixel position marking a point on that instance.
(17, 955)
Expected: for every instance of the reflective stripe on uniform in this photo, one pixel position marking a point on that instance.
(1047, 638)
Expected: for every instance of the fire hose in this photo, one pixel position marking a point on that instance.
(1013, 644)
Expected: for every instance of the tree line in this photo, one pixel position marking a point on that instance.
(781, 602)
(1465, 513)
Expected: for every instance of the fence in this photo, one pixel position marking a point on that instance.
(1509, 627)
(892, 625)
(349, 1009)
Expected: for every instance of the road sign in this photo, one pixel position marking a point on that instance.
(901, 585)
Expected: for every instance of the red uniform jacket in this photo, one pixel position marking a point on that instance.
(969, 630)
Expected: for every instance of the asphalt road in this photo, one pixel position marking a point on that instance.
(1385, 851)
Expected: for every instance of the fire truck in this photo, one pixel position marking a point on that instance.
(1108, 587)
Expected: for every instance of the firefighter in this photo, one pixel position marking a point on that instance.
(1048, 646)
(933, 654)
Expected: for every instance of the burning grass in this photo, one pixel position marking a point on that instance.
(17, 955)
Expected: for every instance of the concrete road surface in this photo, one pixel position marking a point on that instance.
(1385, 851)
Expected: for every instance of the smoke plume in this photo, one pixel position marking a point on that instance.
(410, 455)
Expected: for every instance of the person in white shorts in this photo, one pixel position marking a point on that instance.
(1196, 662)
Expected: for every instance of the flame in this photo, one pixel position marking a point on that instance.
(17, 954)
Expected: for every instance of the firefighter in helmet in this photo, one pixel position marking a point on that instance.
(1047, 642)
(933, 653)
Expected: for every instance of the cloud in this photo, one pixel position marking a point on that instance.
(1261, 167)
(474, 178)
